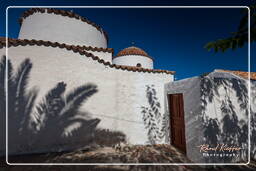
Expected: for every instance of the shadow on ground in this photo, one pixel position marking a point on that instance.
(117, 154)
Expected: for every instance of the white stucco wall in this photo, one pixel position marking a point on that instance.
(57, 28)
(133, 60)
(121, 93)
(253, 119)
(229, 98)
(204, 99)
(253, 97)
(213, 109)
(190, 88)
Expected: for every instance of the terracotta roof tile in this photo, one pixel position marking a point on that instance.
(132, 51)
(77, 49)
(242, 74)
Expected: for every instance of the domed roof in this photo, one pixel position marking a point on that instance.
(133, 51)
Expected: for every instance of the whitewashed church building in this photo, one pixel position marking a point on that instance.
(131, 97)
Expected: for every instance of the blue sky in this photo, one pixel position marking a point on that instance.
(174, 37)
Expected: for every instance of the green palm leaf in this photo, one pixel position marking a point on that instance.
(239, 38)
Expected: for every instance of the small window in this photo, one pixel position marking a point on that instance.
(138, 65)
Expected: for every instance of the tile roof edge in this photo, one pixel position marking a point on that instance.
(88, 48)
(235, 72)
(77, 49)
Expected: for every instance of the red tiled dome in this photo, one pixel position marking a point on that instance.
(132, 51)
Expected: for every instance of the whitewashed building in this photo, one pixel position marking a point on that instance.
(214, 110)
(143, 103)
(65, 47)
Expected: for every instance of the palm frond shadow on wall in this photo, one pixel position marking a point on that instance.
(28, 129)
(155, 122)
(228, 129)
(253, 120)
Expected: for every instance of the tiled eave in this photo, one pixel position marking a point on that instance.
(77, 49)
(242, 74)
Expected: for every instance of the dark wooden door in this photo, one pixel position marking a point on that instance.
(177, 123)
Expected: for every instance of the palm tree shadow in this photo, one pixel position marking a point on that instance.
(20, 102)
(54, 124)
(58, 118)
(253, 120)
(228, 129)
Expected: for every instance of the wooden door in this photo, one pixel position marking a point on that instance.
(177, 123)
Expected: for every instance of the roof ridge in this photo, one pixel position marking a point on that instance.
(76, 49)
(64, 13)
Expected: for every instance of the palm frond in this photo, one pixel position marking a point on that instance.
(2, 83)
(20, 102)
(20, 82)
(17, 93)
(239, 38)
(3, 74)
(244, 21)
(30, 98)
(77, 97)
(21, 78)
(52, 104)
(11, 88)
(56, 113)
(76, 92)
(2, 71)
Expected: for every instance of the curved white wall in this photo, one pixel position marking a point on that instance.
(117, 103)
(133, 60)
(62, 29)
